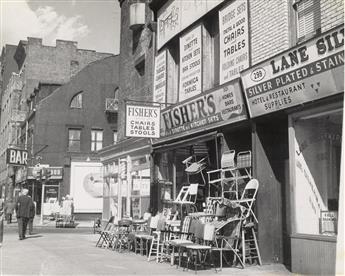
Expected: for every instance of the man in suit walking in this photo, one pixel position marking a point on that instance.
(24, 205)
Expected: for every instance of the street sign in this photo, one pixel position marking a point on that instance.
(16, 157)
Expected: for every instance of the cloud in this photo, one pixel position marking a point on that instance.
(19, 22)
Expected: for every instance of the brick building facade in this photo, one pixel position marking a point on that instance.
(77, 106)
(36, 63)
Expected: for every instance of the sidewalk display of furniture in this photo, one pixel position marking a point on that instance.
(224, 233)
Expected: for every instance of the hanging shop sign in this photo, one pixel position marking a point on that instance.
(308, 72)
(142, 121)
(53, 173)
(160, 78)
(16, 157)
(233, 40)
(219, 107)
(190, 64)
(176, 15)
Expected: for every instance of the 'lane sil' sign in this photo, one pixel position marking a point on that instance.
(16, 157)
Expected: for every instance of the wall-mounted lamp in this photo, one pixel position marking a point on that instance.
(137, 15)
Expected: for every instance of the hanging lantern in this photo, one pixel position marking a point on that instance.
(136, 15)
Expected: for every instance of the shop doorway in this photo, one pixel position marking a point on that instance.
(271, 168)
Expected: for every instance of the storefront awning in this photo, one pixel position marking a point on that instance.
(185, 141)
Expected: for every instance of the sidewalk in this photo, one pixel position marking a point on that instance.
(49, 223)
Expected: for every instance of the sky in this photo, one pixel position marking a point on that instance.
(94, 24)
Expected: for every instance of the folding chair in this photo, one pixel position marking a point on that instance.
(247, 200)
(195, 167)
(187, 197)
(104, 233)
(230, 241)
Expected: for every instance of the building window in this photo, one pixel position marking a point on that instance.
(96, 140)
(74, 140)
(77, 101)
(317, 150)
(308, 18)
(115, 136)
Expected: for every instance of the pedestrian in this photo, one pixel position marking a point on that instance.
(2, 211)
(23, 206)
(9, 208)
(31, 218)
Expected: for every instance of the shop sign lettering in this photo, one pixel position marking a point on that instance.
(222, 106)
(177, 15)
(308, 72)
(142, 121)
(160, 78)
(190, 64)
(234, 41)
(16, 157)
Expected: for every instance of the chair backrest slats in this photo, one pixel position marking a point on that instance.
(228, 159)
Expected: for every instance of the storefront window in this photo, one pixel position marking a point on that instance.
(317, 171)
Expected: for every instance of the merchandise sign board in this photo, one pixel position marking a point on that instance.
(177, 15)
(218, 107)
(308, 72)
(142, 121)
(160, 78)
(190, 64)
(233, 40)
(16, 157)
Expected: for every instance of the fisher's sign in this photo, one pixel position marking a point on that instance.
(16, 157)
(142, 121)
(222, 106)
(311, 71)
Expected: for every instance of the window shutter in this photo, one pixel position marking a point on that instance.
(309, 18)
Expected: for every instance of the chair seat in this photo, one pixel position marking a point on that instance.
(144, 236)
(183, 202)
(198, 246)
(180, 242)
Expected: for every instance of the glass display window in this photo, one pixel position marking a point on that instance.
(316, 148)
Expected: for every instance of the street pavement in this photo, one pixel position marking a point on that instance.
(72, 251)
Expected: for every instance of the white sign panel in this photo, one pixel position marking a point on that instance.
(87, 187)
(160, 78)
(234, 41)
(190, 64)
(176, 15)
(307, 72)
(142, 121)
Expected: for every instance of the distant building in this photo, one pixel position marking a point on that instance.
(67, 127)
(35, 63)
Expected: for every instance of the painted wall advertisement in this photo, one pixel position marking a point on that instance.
(311, 71)
(142, 121)
(160, 78)
(190, 64)
(87, 187)
(233, 40)
(221, 106)
(176, 15)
